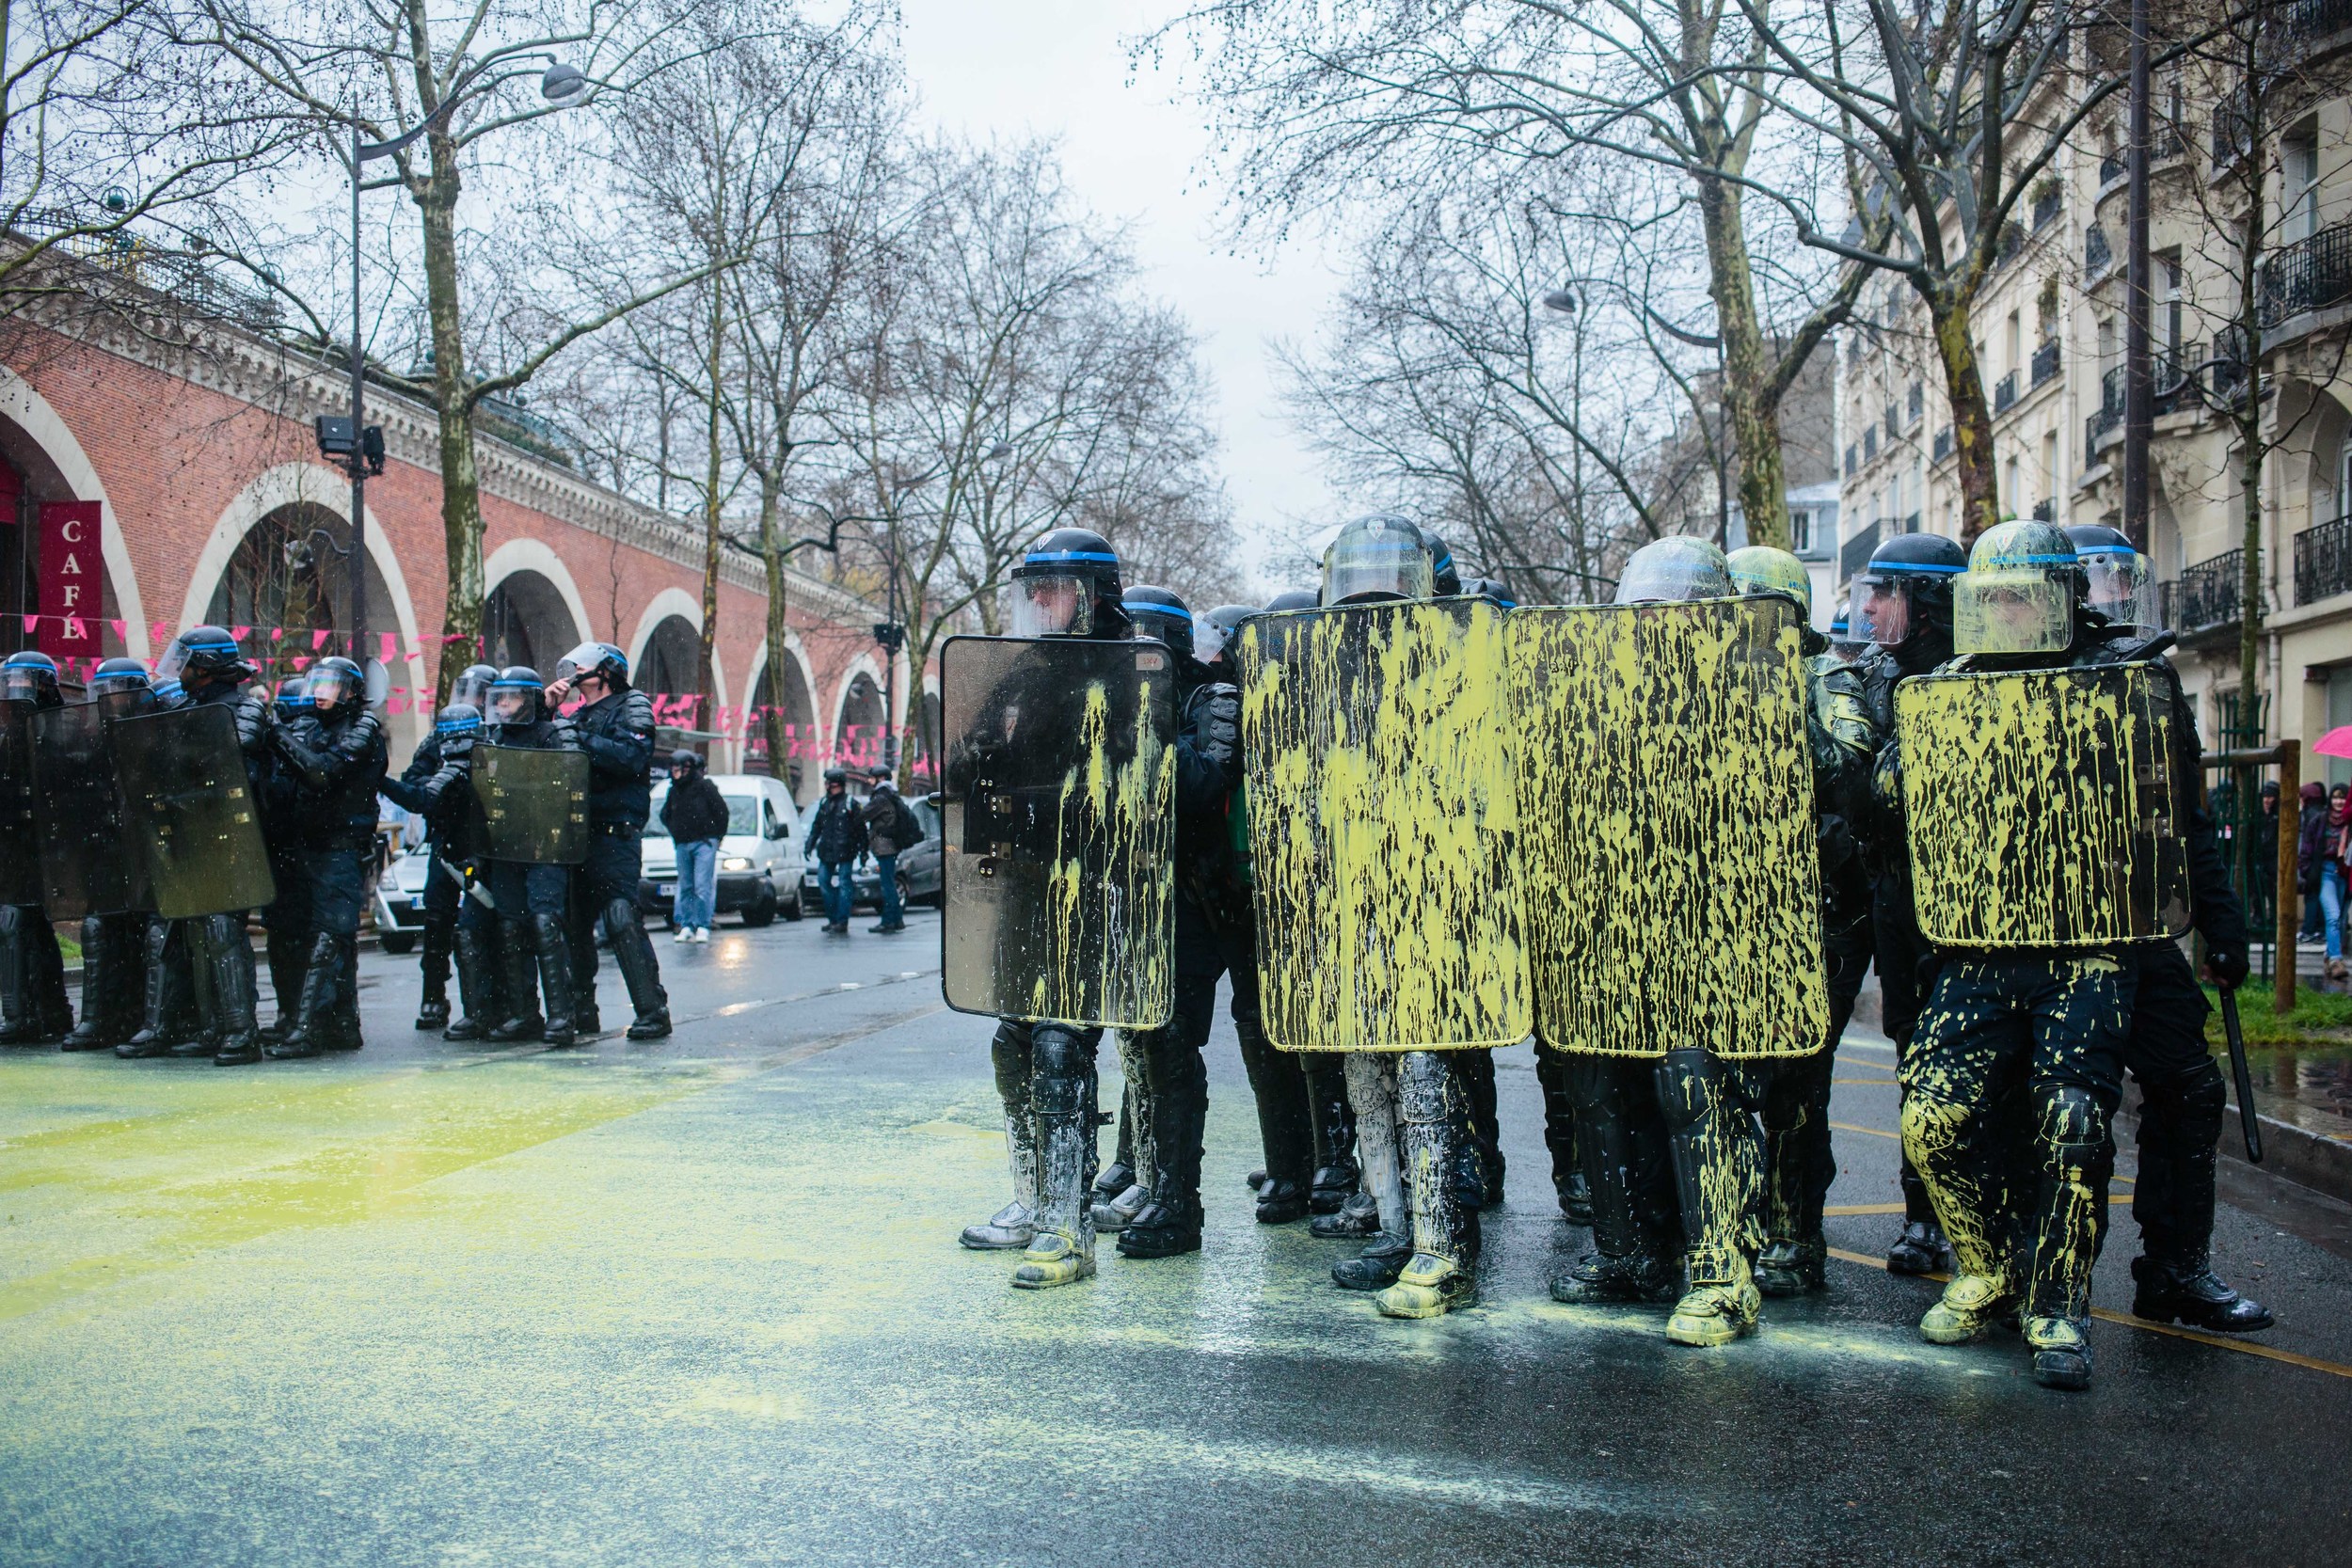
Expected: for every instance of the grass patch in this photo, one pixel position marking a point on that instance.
(2319, 1017)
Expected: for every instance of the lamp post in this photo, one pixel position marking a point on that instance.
(558, 84)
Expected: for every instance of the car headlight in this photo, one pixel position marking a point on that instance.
(736, 863)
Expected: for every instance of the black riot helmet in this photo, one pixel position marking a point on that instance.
(1291, 598)
(1493, 589)
(458, 722)
(2116, 581)
(29, 677)
(1906, 590)
(293, 697)
(1214, 630)
(517, 697)
(601, 660)
(472, 685)
(121, 685)
(1066, 585)
(336, 687)
(1378, 558)
(1159, 613)
(202, 654)
(1445, 579)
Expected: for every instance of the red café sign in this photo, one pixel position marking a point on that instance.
(71, 576)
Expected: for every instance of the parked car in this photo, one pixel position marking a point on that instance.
(755, 858)
(400, 899)
(919, 868)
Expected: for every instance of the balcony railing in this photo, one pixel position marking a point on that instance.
(2045, 511)
(2110, 410)
(1944, 442)
(2046, 363)
(2097, 253)
(2323, 562)
(2113, 167)
(2005, 394)
(2310, 275)
(2305, 19)
(2205, 595)
(2164, 141)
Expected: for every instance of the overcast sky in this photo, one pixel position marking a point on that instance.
(1056, 68)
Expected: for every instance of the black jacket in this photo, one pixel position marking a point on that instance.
(336, 763)
(617, 732)
(839, 830)
(891, 825)
(696, 811)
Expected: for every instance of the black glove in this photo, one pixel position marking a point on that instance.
(1219, 735)
(2228, 966)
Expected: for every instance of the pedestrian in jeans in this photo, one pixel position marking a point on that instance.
(839, 835)
(696, 815)
(2331, 877)
(890, 827)
(2311, 850)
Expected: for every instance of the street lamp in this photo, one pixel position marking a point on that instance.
(363, 454)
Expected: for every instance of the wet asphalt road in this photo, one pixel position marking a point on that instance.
(700, 1302)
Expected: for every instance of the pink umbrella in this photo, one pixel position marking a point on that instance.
(2335, 743)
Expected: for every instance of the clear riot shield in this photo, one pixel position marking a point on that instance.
(20, 857)
(2041, 806)
(192, 810)
(1059, 826)
(91, 862)
(535, 803)
(1383, 820)
(1666, 791)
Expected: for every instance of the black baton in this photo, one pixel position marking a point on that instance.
(2248, 1122)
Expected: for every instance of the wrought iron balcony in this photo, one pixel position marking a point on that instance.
(2005, 394)
(2046, 363)
(2205, 596)
(2323, 562)
(2307, 20)
(2110, 410)
(2113, 167)
(2310, 275)
(2045, 511)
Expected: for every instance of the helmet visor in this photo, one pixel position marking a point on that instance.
(1667, 570)
(1213, 632)
(513, 702)
(174, 662)
(1880, 611)
(455, 720)
(1389, 563)
(472, 687)
(330, 686)
(584, 660)
(2119, 587)
(2007, 612)
(1165, 622)
(1050, 605)
(25, 683)
(115, 683)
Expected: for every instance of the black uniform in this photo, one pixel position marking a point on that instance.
(531, 902)
(444, 887)
(218, 946)
(617, 732)
(335, 758)
(33, 1005)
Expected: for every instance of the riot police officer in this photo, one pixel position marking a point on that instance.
(335, 753)
(286, 930)
(534, 943)
(1066, 585)
(114, 943)
(2182, 1099)
(1902, 618)
(449, 869)
(614, 726)
(1793, 1093)
(33, 1005)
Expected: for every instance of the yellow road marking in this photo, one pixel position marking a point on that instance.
(1872, 1132)
(2244, 1347)
(1882, 1082)
(1863, 1209)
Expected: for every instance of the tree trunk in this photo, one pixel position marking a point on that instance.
(461, 481)
(779, 629)
(1972, 417)
(1747, 390)
(706, 665)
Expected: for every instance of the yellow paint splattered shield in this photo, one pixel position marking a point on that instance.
(1382, 818)
(1666, 795)
(1060, 803)
(2041, 807)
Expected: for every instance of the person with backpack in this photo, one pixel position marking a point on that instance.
(891, 827)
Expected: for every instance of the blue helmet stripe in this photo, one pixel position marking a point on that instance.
(1034, 557)
(1144, 606)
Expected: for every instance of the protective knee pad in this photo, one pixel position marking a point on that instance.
(2072, 1118)
(1690, 1088)
(1428, 1089)
(2184, 1114)
(1061, 1072)
(1009, 1054)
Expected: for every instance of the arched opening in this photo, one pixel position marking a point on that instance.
(803, 741)
(665, 672)
(526, 622)
(288, 581)
(924, 743)
(29, 478)
(857, 740)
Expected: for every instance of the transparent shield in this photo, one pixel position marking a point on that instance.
(2041, 807)
(535, 803)
(1050, 606)
(19, 859)
(1059, 839)
(1388, 559)
(2119, 588)
(90, 863)
(1383, 819)
(1667, 837)
(1880, 611)
(2011, 612)
(192, 810)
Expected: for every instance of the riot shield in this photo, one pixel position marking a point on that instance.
(2042, 807)
(1666, 786)
(192, 810)
(1060, 830)
(91, 862)
(535, 803)
(20, 860)
(1382, 826)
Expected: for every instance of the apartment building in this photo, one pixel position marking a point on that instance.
(2050, 339)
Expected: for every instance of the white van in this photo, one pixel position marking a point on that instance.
(759, 858)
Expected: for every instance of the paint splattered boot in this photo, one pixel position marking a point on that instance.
(1331, 1127)
(1722, 1304)
(2061, 1353)
(1792, 1268)
(1597, 1280)
(1971, 1304)
(1718, 1167)
(1062, 1103)
(1014, 1227)
(1443, 1190)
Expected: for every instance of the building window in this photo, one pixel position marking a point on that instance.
(2050, 467)
(2299, 197)
(2171, 299)
(1800, 531)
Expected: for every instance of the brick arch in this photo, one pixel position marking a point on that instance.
(537, 556)
(796, 652)
(677, 603)
(32, 414)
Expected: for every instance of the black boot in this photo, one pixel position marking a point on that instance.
(228, 956)
(1277, 1084)
(1358, 1218)
(1279, 1202)
(555, 978)
(477, 982)
(1476, 1070)
(1376, 1267)
(343, 1035)
(1333, 1128)
(1597, 1281)
(24, 1015)
(1175, 1100)
(433, 1000)
(632, 954)
(2180, 1122)
(2191, 1292)
(519, 981)
(314, 1011)
(159, 987)
(105, 987)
